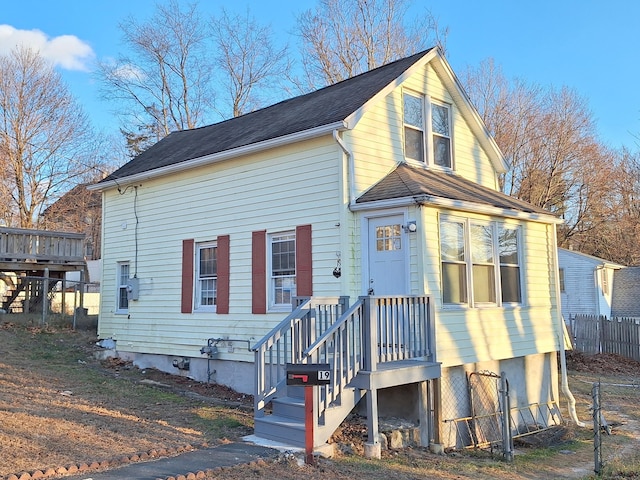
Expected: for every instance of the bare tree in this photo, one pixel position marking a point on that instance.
(164, 85)
(45, 140)
(249, 64)
(342, 38)
(548, 136)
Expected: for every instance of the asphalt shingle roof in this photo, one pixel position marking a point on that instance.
(413, 181)
(321, 107)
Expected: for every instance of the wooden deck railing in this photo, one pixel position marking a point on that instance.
(24, 245)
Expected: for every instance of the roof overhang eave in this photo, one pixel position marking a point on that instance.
(458, 205)
(221, 156)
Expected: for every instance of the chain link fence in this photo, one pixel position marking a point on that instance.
(473, 412)
(49, 301)
(615, 412)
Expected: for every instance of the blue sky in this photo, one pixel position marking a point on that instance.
(590, 46)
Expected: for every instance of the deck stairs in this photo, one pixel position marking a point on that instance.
(327, 330)
(32, 288)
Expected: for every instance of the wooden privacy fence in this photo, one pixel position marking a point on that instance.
(599, 334)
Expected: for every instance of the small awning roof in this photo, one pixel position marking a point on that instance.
(421, 184)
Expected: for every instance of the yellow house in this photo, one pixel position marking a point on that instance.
(358, 228)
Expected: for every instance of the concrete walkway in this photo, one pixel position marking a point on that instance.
(189, 462)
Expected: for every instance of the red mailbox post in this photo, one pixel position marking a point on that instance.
(308, 376)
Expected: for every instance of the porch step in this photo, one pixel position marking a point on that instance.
(281, 429)
(288, 407)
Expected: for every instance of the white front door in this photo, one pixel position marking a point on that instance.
(387, 256)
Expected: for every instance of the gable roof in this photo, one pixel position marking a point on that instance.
(338, 106)
(416, 184)
(327, 106)
(590, 258)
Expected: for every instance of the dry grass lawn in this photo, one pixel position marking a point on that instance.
(59, 406)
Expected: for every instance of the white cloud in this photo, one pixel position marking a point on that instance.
(67, 51)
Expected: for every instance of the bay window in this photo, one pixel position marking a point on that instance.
(479, 259)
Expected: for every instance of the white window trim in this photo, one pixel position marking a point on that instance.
(471, 303)
(429, 120)
(427, 131)
(497, 288)
(424, 130)
(197, 307)
(277, 307)
(520, 254)
(119, 286)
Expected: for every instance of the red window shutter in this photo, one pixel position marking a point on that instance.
(259, 272)
(304, 279)
(187, 276)
(223, 274)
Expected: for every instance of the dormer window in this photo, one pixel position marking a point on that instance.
(427, 128)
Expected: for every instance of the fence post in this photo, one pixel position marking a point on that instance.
(597, 429)
(507, 439)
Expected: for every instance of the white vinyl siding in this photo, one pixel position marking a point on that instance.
(375, 153)
(220, 199)
(495, 332)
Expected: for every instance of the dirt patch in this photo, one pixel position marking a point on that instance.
(602, 364)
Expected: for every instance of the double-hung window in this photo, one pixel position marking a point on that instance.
(122, 300)
(510, 264)
(454, 262)
(283, 269)
(206, 276)
(414, 126)
(479, 259)
(484, 265)
(441, 134)
(426, 124)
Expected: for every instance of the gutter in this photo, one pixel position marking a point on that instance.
(456, 205)
(351, 174)
(220, 156)
(564, 384)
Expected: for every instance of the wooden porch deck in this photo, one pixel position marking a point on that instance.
(376, 343)
(29, 258)
(36, 250)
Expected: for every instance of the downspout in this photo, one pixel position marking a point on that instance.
(564, 382)
(351, 176)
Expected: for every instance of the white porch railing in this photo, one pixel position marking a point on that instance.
(375, 330)
(287, 342)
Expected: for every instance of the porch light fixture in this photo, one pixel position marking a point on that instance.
(410, 227)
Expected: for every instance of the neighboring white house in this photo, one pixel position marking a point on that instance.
(382, 188)
(586, 284)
